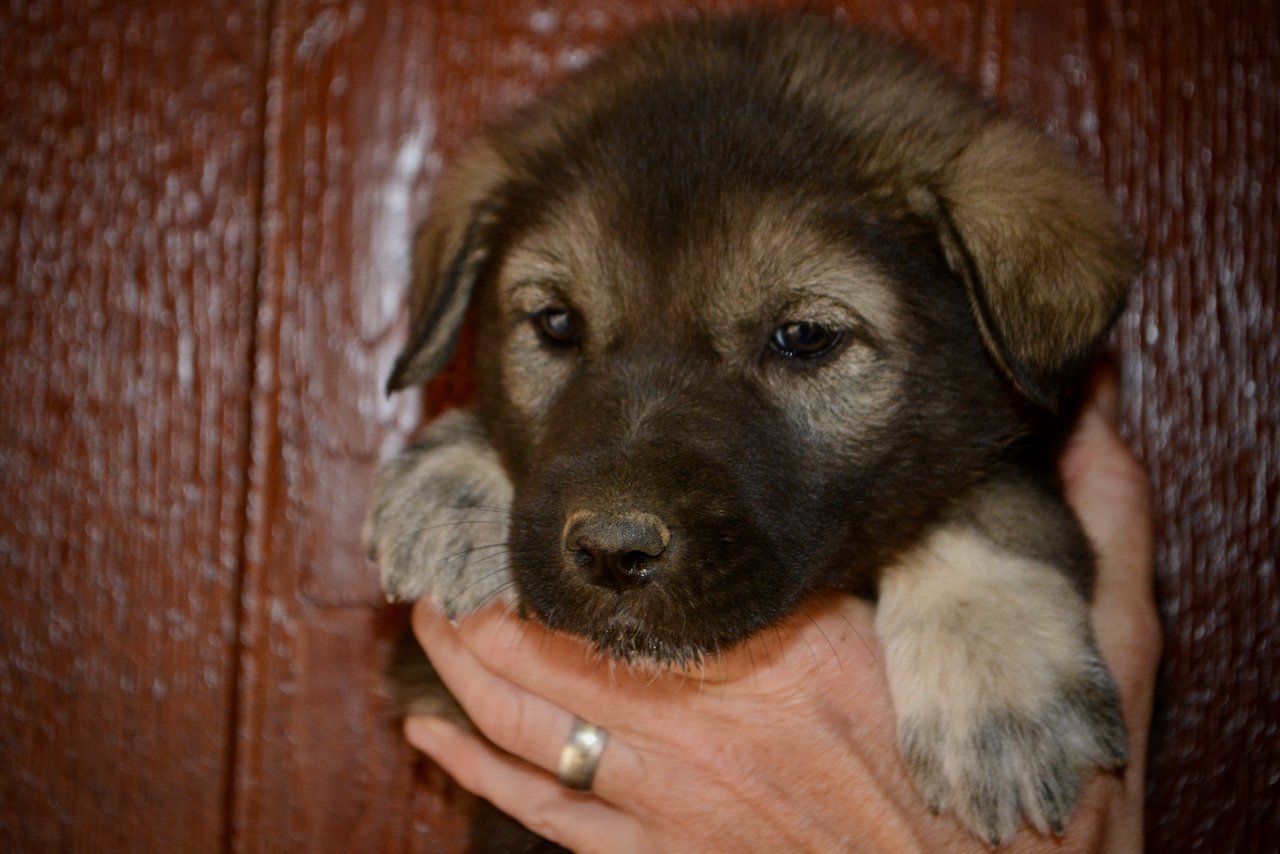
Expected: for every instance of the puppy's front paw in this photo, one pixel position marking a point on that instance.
(1003, 704)
(998, 758)
(438, 523)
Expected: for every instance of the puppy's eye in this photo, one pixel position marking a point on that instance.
(803, 339)
(557, 326)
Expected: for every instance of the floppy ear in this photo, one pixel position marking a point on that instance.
(450, 252)
(1043, 256)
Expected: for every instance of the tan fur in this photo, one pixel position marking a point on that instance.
(456, 209)
(978, 637)
(970, 269)
(760, 256)
(1049, 298)
(1038, 245)
(554, 262)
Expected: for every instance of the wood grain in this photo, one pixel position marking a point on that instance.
(1194, 112)
(1176, 106)
(129, 151)
(203, 249)
(350, 131)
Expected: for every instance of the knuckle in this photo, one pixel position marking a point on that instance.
(539, 817)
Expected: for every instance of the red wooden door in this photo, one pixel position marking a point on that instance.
(206, 209)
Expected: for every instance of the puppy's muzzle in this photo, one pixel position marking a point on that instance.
(620, 551)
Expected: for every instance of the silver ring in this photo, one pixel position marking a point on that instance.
(580, 755)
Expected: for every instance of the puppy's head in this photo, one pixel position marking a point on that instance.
(754, 299)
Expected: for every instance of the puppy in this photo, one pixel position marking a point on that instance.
(768, 308)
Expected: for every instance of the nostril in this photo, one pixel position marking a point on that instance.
(616, 550)
(632, 561)
(636, 568)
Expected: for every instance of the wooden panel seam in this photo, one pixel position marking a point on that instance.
(268, 21)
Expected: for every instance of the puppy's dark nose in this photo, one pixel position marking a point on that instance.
(616, 550)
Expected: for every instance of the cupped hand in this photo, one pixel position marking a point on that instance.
(786, 743)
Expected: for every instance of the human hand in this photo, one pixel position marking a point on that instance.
(787, 742)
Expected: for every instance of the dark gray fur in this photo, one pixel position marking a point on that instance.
(681, 200)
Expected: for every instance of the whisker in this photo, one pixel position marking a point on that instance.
(512, 608)
(494, 595)
(506, 511)
(546, 622)
(865, 645)
(498, 555)
(472, 550)
(834, 652)
(485, 577)
(768, 653)
(456, 524)
(654, 672)
(518, 631)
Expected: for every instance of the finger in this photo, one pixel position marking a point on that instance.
(528, 794)
(827, 634)
(559, 668)
(1108, 490)
(834, 634)
(517, 720)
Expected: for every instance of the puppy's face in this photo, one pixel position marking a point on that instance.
(754, 303)
(704, 425)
